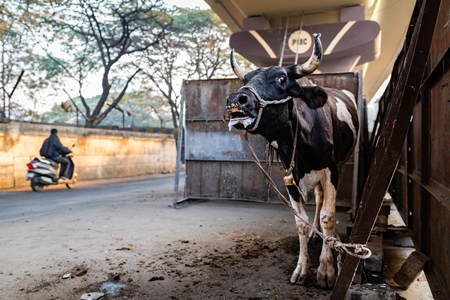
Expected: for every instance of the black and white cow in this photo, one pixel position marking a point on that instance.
(314, 130)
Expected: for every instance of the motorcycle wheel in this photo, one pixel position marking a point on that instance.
(36, 185)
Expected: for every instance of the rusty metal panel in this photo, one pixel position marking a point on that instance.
(205, 99)
(441, 37)
(344, 81)
(415, 140)
(435, 182)
(210, 180)
(440, 245)
(193, 188)
(232, 180)
(211, 140)
(435, 177)
(218, 161)
(414, 197)
(219, 164)
(440, 133)
(344, 190)
(231, 184)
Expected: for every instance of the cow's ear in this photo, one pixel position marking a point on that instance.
(314, 96)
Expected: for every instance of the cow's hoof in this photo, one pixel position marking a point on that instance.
(326, 281)
(300, 274)
(298, 279)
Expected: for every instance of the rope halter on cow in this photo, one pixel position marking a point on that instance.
(262, 103)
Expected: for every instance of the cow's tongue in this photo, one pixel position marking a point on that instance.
(233, 122)
(244, 121)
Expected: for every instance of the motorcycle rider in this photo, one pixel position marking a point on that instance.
(56, 151)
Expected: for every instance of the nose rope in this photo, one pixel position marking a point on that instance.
(262, 103)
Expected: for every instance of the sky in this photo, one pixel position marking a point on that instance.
(188, 3)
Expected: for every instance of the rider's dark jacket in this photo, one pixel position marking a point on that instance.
(57, 149)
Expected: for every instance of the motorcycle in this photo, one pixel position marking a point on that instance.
(43, 172)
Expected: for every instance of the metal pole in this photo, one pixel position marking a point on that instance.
(179, 145)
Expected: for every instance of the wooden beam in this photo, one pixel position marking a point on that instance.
(392, 136)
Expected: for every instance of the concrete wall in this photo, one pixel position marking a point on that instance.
(98, 153)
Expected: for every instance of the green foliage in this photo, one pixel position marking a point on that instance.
(188, 20)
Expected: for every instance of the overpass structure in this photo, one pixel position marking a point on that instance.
(364, 35)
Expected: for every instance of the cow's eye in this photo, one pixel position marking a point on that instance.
(281, 79)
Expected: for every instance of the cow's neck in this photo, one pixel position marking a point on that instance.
(283, 139)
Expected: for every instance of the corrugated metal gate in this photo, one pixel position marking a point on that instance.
(218, 163)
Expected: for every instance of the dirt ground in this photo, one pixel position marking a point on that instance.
(143, 248)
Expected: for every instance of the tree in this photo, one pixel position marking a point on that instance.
(206, 43)
(13, 54)
(162, 71)
(99, 37)
(195, 49)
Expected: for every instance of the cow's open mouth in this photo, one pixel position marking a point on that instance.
(238, 117)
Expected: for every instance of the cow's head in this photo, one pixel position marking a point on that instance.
(267, 84)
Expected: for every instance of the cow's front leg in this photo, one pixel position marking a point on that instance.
(301, 271)
(326, 273)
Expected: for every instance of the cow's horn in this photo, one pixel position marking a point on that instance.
(236, 69)
(314, 61)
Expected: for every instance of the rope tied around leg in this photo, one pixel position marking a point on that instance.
(357, 250)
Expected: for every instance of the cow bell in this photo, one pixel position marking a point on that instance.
(288, 179)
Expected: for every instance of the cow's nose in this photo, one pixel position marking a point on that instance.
(241, 98)
(236, 99)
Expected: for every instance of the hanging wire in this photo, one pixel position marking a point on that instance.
(284, 42)
(298, 39)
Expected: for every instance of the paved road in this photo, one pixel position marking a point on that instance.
(19, 203)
